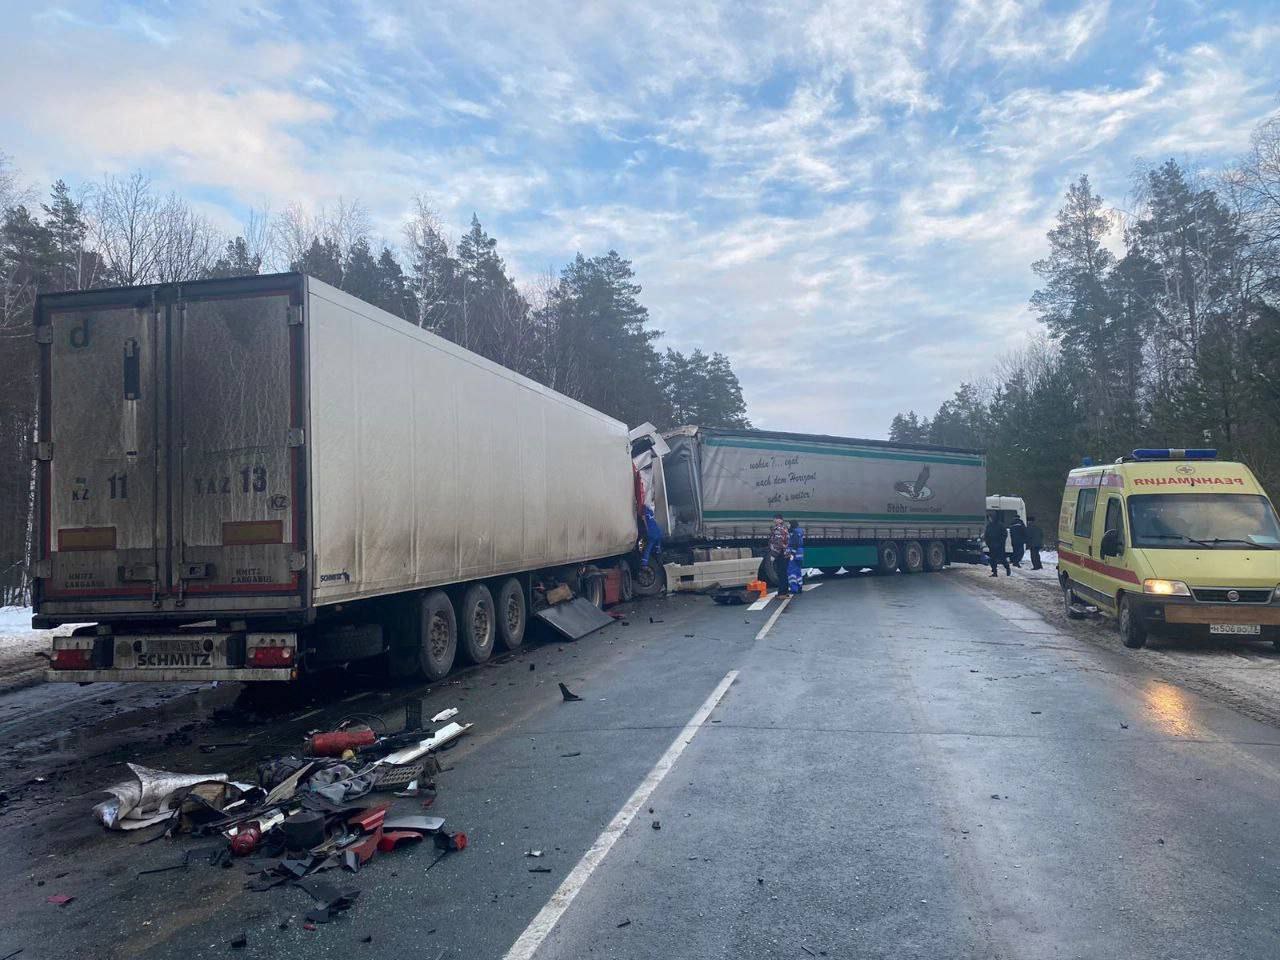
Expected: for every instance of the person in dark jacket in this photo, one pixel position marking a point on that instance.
(994, 535)
(1035, 541)
(779, 538)
(1017, 539)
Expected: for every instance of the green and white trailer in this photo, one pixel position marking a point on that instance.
(863, 503)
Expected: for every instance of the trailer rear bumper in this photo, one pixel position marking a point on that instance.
(175, 675)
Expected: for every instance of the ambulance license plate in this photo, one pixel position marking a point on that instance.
(1248, 629)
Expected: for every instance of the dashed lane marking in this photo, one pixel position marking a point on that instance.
(541, 925)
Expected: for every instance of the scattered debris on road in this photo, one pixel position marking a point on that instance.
(569, 695)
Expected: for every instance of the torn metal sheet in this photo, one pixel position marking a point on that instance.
(446, 734)
(574, 618)
(152, 796)
(418, 823)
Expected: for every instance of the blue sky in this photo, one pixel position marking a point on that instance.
(843, 197)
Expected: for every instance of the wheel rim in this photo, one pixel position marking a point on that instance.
(438, 638)
(647, 577)
(513, 615)
(914, 557)
(1124, 618)
(891, 558)
(480, 624)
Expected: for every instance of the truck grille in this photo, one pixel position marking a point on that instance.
(1219, 595)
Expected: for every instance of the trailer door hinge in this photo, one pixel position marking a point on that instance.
(295, 316)
(44, 333)
(297, 436)
(297, 561)
(42, 450)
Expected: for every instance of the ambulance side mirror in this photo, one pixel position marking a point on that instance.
(1111, 546)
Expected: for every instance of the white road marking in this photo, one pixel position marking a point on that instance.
(542, 924)
(763, 601)
(768, 624)
(812, 586)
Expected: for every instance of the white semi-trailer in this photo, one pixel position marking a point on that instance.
(244, 478)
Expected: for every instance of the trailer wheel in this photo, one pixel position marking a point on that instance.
(437, 635)
(935, 555)
(478, 623)
(768, 572)
(912, 560)
(649, 580)
(593, 590)
(627, 586)
(887, 556)
(511, 614)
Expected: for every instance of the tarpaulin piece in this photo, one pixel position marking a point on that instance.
(574, 618)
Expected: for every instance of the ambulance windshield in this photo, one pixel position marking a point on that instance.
(1191, 521)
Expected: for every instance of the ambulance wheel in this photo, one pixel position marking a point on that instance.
(935, 555)
(478, 623)
(1133, 633)
(512, 610)
(1068, 601)
(912, 560)
(887, 556)
(437, 635)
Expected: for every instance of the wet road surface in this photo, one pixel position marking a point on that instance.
(897, 767)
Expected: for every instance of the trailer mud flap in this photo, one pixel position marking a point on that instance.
(574, 618)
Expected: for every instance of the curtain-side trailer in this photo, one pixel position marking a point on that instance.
(863, 503)
(238, 479)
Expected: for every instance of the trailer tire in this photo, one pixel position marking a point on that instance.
(935, 555)
(768, 572)
(437, 635)
(592, 589)
(912, 560)
(649, 580)
(478, 624)
(887, 556)
(513, 613)
(626, 586)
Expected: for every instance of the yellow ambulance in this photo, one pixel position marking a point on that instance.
(1171, 542)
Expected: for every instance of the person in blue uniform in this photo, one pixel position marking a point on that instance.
(795, 559)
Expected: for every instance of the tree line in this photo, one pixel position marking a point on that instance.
(583, 331)
(1161, 328)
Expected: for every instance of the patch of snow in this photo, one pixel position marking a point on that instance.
(14, 619)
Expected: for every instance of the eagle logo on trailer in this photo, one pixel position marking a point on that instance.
(916, 490)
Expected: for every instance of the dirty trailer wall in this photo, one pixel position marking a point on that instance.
(728, 484)
(432, 465)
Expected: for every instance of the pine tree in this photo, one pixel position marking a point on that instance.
(64, 219)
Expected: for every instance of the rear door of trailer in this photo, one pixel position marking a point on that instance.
(171, 468)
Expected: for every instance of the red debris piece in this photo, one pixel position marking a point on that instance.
(370, 819)
(451, 841)
(308, 926)
(61, 899)
(246, 841)
(338, 742)
(366, 848)
(393, 838)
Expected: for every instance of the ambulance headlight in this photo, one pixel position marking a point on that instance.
(1276, 596)
(1166, 588)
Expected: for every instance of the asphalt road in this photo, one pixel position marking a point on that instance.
(899, 767)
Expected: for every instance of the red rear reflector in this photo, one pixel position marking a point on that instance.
(86, 538)
(72, 660)
(247, 533)
(271, 656)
